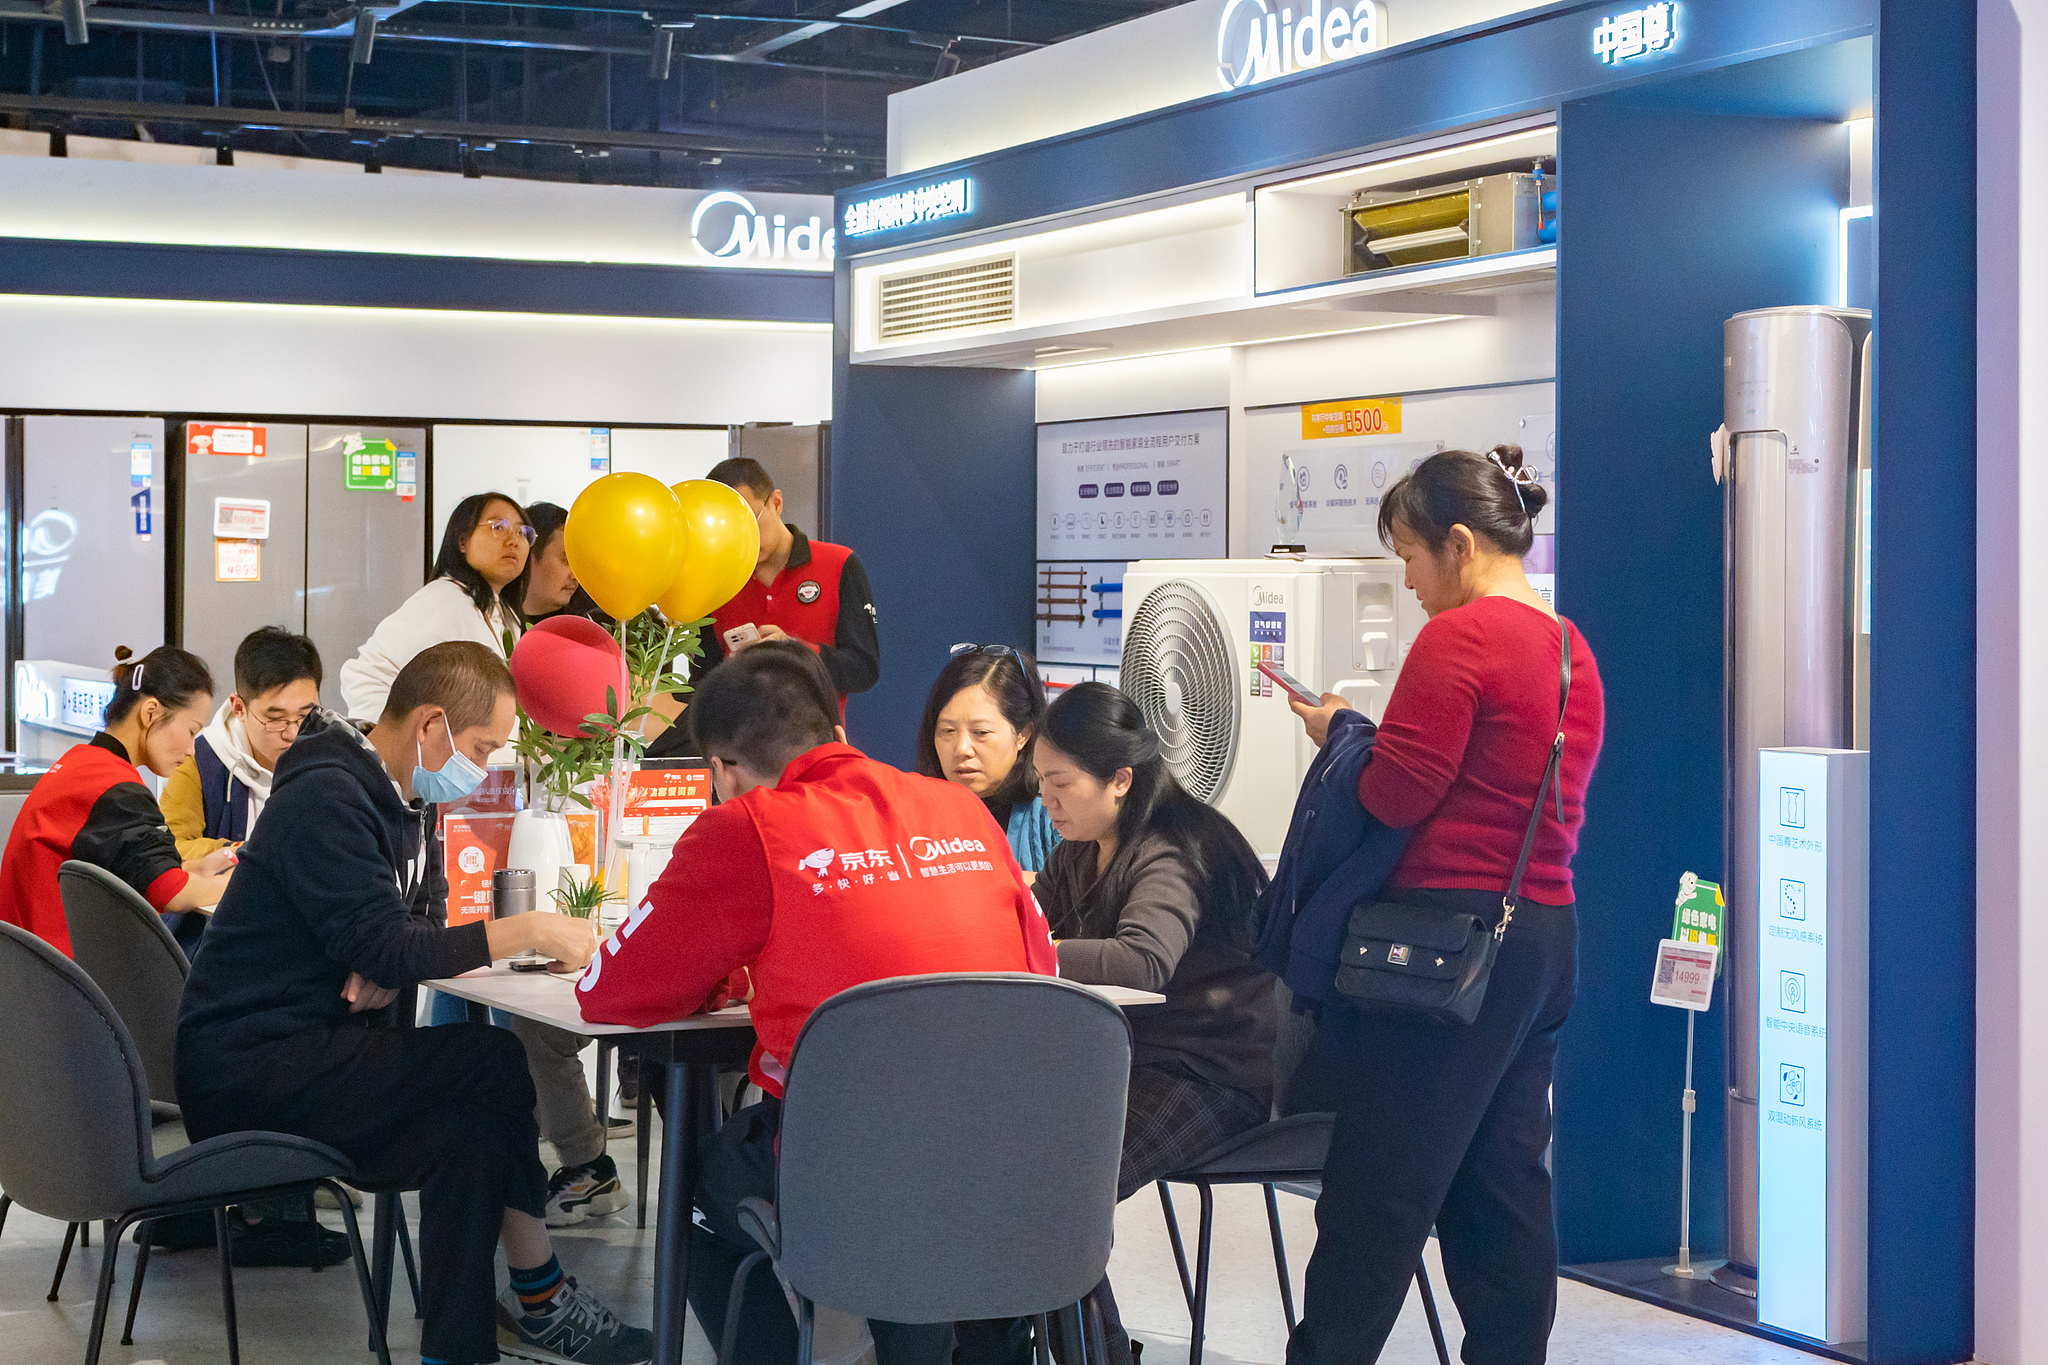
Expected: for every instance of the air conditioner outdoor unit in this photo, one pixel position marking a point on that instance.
(1194, 632)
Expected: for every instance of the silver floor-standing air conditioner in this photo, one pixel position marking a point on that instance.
(1793, 462)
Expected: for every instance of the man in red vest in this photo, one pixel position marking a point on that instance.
(802, 589)
(820, 869)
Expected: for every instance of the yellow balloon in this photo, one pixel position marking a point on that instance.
(725, 545)
(625, 540)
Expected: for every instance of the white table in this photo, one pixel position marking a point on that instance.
(690, 1051)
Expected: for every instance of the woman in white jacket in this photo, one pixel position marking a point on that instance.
(478, 585)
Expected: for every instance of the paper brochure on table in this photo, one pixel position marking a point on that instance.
(660, 802)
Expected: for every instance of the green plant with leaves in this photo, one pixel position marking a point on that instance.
(560, 764)
(583, 900)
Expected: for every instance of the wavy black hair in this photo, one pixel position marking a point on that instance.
(1103, 730)
(1011, 680)
(451, 563)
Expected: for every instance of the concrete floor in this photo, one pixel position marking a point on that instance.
(297, 1318)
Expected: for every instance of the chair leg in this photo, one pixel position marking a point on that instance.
(806, 1332)
(1180, 1255)
(1203, 1241)
(355, 1248)
(104, 1298)
(63, 1259)
(383, 1242)
(412, 1271)
(1436, 1326)
(734, 1302)
(1098, 1339)
(227, 1284)
(85, 1236)
(313, 1231)
(604, 1084)
(1041, 1346)
(1069, 1328)
(643, 1141)
(6, 1203)
(1280, 1256)
(135, 1286)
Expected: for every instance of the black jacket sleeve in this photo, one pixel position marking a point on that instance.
(341, 880)
(854, 658)
(124, 833)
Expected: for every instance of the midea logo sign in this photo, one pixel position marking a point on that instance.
(1255, 43)
(726, 228)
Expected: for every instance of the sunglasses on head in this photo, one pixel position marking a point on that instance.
(968, 647)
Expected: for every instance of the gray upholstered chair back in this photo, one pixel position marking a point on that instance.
(950, 1147)
(124, 947)
(74, 1106)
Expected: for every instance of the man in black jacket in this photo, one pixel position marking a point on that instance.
(331, 914)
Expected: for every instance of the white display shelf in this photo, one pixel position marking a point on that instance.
(1466, 287)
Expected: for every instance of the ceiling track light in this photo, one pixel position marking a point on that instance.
(75, 33)
(661, 52)
(365, 36)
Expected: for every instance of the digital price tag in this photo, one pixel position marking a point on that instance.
(1685, 974)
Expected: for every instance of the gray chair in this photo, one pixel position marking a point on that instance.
(1287, 1153)
(75, 1131)
(919, 1121)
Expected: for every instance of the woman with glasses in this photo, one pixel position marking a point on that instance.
(983, 713)
(214, 797)
(477, 593)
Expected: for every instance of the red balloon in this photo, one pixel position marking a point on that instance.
(561, 668)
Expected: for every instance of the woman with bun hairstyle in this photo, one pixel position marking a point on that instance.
(1448, 1125)
(92, 805)
(1153, 889)
(979, 723)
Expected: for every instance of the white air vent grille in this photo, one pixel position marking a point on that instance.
(976, 294)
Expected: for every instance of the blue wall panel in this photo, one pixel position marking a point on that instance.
(1673, 221)
(1923, 691)
(934, 486)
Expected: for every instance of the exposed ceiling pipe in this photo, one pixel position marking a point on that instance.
(75, 34)
(686, 139)
(408, 31)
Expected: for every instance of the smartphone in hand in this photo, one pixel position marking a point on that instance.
(1293, 686)
(741, 635)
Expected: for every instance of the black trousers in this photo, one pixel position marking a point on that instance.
(1445, 1126)
(446, 1111)
(739, 1163)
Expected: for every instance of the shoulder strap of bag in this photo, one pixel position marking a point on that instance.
(1513, 894)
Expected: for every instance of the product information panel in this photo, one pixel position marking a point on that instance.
(1115, 490)
(1812, 970)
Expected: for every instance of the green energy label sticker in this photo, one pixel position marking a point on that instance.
(1701, 915)
(372, 465)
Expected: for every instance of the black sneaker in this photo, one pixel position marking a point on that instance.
(579, 1192)
(279, 1242)
(577, 1330)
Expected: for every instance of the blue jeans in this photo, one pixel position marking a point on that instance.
(453, 1009)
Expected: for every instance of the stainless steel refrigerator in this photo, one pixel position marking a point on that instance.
(89, 533)
(318, 529)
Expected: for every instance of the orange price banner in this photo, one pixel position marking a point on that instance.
(1358, 417)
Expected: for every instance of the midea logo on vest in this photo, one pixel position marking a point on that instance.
(725, 227)
(1256, 42)
(925, 850)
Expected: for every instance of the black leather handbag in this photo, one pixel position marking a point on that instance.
(1430, 963)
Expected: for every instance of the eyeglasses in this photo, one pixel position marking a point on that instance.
(508, 529)
(968, 647)
(279, 728)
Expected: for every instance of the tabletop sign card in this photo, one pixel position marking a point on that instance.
(1685, 974)
(1701, 915)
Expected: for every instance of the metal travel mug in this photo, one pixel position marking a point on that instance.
(511, 892)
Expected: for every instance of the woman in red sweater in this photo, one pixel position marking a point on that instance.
(1448, 1126)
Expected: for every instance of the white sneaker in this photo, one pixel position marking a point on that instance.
(579, 1192)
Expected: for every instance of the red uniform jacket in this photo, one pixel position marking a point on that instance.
(845, 871)
(92, 806)
(821, 597)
